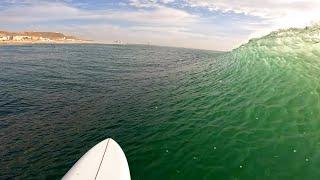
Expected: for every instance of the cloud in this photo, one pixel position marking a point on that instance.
(160, 15)
(143, 3)
(167, 1)
(209, 24)
(149, 3)
(40, 12)
(276, 13)
(160, 25)
(46, 12)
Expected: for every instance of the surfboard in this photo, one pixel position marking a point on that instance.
(105, 161)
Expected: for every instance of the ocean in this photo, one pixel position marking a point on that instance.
(251, 113)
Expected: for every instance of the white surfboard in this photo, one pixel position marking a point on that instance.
(105, 161)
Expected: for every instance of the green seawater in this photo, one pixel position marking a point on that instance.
(252, 113)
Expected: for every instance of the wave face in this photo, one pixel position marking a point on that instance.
(253, 113)
(274, 88)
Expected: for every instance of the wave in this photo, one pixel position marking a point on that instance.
(285, 42)
(278, 77)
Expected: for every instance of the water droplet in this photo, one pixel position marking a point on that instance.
(294, 150)
(257, 118)
(214, 147)
(195, 157)
(167, 150)
(156, 107)
(240, 166)
(307, 159)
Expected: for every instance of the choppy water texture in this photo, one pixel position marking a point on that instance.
(253, 113)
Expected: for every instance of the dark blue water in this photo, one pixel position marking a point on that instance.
(56, 101)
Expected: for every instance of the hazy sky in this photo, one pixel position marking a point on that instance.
(203, 24)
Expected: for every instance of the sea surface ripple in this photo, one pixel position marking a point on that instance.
(252, 113)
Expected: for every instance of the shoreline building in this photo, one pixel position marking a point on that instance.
(21, 38)
(4, 38)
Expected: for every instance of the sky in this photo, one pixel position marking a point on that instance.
(200, 24)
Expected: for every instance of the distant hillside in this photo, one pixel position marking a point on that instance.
(33, 37)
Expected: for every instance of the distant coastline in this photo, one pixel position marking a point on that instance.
(17, 38)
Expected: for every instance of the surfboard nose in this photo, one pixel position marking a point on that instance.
(106, 160)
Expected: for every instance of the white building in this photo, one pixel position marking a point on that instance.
(4, 38)
(45, 39)
(118, 42)
(21, 38)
